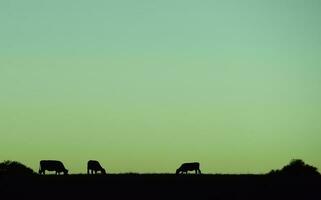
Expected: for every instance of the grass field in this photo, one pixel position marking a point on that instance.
(160, 186)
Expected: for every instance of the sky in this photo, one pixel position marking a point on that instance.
(143, 86)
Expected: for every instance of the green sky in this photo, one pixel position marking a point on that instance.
(143, 86)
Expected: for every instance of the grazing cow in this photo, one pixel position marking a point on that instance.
(185, 167)
(93, 167)
(52, 165)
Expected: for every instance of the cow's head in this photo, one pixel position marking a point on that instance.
(178, 170)
(103, 171)
(66, 172)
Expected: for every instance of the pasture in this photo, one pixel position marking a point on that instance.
(159, 186)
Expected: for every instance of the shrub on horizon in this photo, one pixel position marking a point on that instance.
(9, 167)
(296, 167)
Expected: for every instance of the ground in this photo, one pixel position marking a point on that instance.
(159, 186)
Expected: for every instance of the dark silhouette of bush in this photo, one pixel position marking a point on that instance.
(296, 168)
(14, 168)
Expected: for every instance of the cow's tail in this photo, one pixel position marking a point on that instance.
(40, 169)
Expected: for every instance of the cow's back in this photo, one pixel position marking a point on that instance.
(190, 166)
(93, 164)
(52, 165)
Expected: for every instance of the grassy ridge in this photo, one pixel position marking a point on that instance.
(161, 186)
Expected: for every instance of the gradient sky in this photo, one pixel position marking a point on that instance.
(143, 86)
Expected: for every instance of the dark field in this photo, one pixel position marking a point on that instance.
(160, 186)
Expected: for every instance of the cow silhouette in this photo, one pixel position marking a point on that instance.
(93, 166)
(185, 167)
(52, 165)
